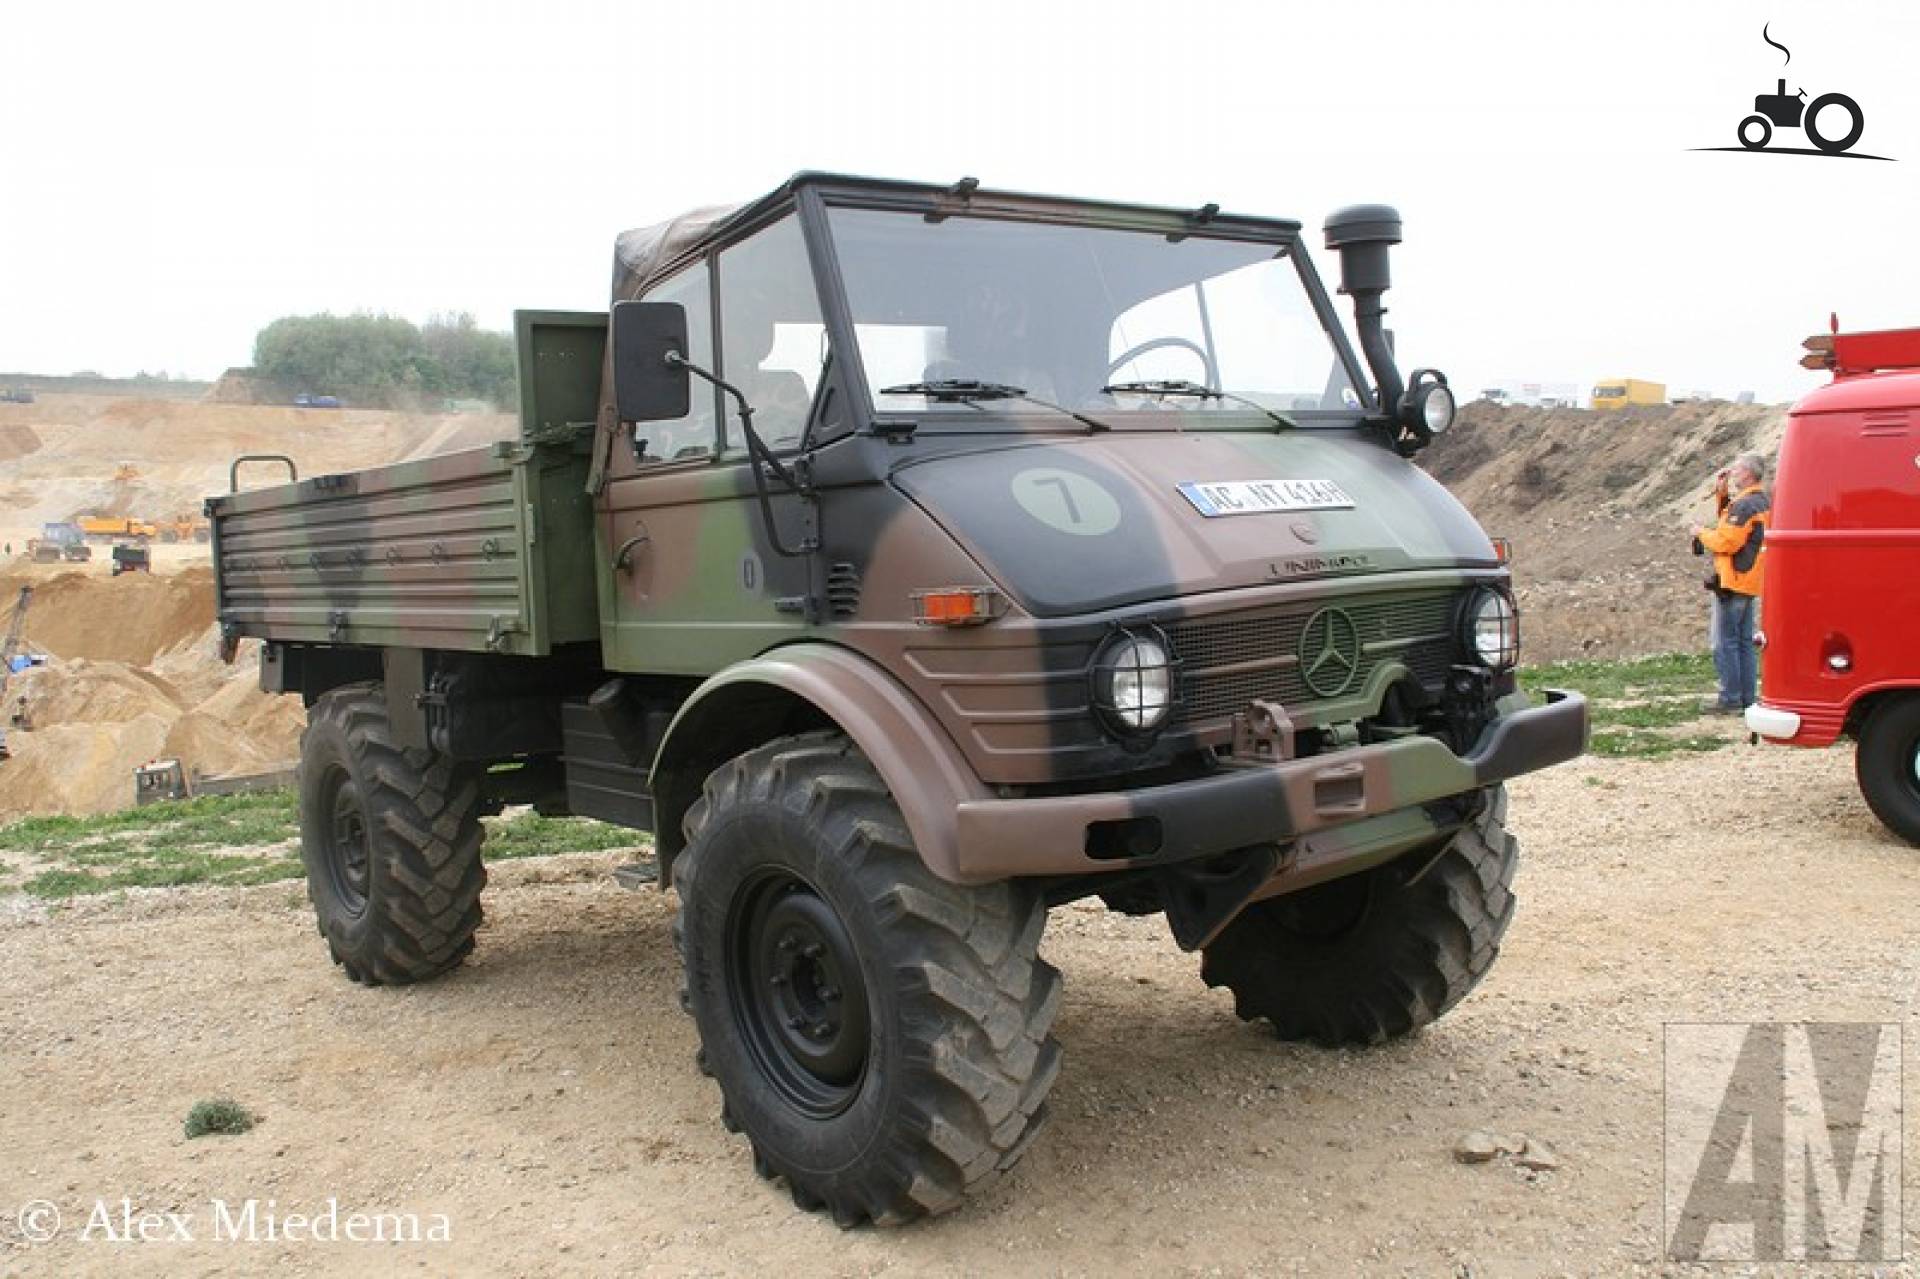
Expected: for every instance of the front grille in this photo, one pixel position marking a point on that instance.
(1226, 662)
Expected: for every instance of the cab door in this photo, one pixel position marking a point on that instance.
(690, 583)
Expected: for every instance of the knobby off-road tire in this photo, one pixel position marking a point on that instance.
(1373, 956)
(391, 841)
(880, 1036)
(1887, 764)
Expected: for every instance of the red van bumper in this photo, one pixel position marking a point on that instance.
(1797, 723)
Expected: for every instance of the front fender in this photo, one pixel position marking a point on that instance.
(751, 702)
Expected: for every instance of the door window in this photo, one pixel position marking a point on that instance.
(773, 342)
(697, 434)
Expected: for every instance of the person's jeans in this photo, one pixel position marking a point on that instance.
(1733, 657)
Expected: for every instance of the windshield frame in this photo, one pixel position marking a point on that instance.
(934, 205)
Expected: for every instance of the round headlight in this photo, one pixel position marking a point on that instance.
(1133, 683)
(1493, 630)
(1437, 410)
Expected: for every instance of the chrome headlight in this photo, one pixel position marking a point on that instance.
(1133, 682)
(1492, 629)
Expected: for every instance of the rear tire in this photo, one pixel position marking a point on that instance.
(1887, 764)
(391, 841)
(880, 1035)
(1372, 957)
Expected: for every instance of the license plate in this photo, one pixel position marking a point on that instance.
(1260, 497)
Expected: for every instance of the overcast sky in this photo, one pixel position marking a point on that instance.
(176, 175)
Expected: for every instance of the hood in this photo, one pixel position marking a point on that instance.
(1097, 522)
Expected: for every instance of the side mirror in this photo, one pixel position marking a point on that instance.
(646, 386)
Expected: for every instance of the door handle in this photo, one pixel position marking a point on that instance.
(623, 558)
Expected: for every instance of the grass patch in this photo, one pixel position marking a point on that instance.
(233, 840)
(531, 835)
(1636, 705)
(1639, 677)
(221, 1115)
(214, 820)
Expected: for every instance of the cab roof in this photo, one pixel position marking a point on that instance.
(645, 255)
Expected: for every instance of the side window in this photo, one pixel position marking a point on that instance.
(773, 342)
(695, 435)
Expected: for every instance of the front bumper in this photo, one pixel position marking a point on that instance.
(1245, 805)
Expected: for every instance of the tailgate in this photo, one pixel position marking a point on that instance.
(451, 552)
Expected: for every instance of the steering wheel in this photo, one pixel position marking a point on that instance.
(1155, 344)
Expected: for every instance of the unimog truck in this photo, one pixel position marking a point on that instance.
(909, 560)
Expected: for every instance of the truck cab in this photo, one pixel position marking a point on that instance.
(1840, 613)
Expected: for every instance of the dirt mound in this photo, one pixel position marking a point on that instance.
(93, 722)
(131, 618)
(17, 441)
(81, 691)
(1647, 463)
(77, 768)
(1599, 508)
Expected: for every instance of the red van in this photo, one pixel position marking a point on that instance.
(1840, 610)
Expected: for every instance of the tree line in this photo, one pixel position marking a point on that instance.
(450, 356)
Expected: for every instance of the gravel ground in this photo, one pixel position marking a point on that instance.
(544, 1098)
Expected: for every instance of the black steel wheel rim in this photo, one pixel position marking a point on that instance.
(348, 849)
(1327, 914)
(796, 994)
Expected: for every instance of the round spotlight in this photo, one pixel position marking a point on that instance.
(1133, 682)
(1492, 630)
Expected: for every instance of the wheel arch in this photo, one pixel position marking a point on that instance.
(812, 685)
(1867, 701)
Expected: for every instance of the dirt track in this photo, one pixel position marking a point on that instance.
(544, 1098)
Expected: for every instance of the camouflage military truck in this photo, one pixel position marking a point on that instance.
(911, 560)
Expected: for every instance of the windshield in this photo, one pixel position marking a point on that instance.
(1091, 319)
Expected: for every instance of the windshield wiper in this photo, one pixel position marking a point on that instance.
(972, 391)
(1179, 386)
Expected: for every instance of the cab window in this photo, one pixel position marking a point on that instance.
(697, 434)
(773, 341)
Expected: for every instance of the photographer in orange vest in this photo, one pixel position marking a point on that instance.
(1738, 546)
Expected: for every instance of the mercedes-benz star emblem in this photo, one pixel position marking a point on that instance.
(1329, 652)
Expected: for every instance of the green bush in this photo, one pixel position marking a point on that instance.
(221, 1115)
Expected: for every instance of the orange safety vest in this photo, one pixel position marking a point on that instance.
(1738, 541)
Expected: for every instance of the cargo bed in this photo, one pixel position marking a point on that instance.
(445, 552)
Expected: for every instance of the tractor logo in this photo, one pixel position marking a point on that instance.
(1329, 652)
(1832, 122)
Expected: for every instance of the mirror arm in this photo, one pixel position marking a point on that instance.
(758, 453)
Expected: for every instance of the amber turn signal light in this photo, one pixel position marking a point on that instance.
(956, 606)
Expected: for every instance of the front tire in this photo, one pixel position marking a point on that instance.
(1377, 955)
(880, 1035)
(1887, 764)
(391, 841)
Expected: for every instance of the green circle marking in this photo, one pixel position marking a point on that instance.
(1067, 501)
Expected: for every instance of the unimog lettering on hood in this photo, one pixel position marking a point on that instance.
(909, 560)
